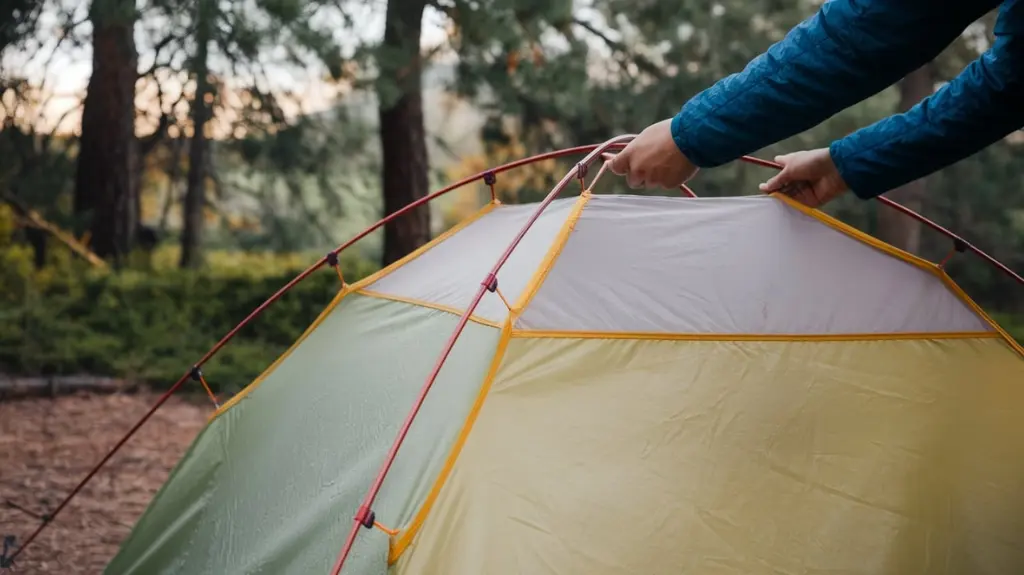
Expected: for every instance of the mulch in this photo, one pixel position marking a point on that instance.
(48, 445)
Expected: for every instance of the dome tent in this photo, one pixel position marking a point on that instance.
(657, 385)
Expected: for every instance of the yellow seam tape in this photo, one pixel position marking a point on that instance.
(345, 291)
(999, 331)
(523, 333)
(425, 247)
(427, 304)
(907, 257)
(396, 548)
(259, 379)
(857, 234)
(557, 245)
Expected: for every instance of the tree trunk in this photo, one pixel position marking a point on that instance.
(105, 190)
(402, 132)
(893, 227)
(195, 191)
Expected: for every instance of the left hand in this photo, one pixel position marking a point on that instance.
(652, 159)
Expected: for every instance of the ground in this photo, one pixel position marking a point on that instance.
(48, 445)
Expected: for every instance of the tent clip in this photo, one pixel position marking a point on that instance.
(490, 178)
(7, 562)
(366, 517)
(197, 375)
(332, 260)
(959, 246)
(491, 283)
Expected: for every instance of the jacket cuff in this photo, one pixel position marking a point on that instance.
(682, 140)
(856, 180)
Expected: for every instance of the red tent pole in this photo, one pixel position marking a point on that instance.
(273, 298)
(364, 516)
(931, 224)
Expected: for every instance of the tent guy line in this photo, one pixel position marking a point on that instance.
(488, 176)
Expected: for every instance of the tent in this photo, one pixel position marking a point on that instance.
(655, 385)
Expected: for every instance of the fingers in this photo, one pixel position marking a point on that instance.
(778, 181)
(619, 164)
(805, 195)
(636, 179)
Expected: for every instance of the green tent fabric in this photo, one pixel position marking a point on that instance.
(330, 409)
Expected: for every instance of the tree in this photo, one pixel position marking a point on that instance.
(195, 192)
(104, 183)
(402, 133)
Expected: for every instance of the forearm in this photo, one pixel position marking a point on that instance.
(845, 53)
(979, 107)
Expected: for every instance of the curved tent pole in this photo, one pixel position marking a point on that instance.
(593, 150)
(959, 243)
(364, 515)
(485, 175)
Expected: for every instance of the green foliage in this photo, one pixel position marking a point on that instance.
(151, 327)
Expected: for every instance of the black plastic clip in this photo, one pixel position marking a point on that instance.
(581, 170)
(6, 561)
(332, 259)
(196, 374)
(959, 245)
(491, 283)
(366, 517)
(490, 178)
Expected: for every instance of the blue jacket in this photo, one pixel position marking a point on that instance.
(848, 51)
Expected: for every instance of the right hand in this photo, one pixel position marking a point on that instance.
(809, 177)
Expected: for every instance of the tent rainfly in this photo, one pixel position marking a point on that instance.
(657, 386)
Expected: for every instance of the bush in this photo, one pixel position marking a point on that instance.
(152, 326)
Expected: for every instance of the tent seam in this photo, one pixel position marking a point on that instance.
(738, 337)
(908, 257)
(345, 291)
(341, 295)
(465, 223)
(427, 304)
(557, 246)
(404, 540)
(960, 293)
(398, 545)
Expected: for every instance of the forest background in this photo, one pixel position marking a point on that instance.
(166, 165)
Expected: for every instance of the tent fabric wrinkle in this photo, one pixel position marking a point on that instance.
(663, 385)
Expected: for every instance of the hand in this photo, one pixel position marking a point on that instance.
(653, 159)
(810, 178)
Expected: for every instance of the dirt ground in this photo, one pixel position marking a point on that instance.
(48, 445)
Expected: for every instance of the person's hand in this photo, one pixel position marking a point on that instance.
(810, 178)
(653, 159)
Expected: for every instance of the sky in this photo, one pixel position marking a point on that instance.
(63, 71)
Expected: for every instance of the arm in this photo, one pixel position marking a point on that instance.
(848, 51)
(982, 105)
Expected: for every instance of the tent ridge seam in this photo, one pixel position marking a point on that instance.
(766, 337)
(554, 252)
(927, 265)
(341, 295)
(427, 304)
(398, 547)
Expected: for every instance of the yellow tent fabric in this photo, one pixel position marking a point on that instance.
(658, 386)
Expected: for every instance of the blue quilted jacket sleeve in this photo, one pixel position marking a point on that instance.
(846, 52)
(982, 105)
